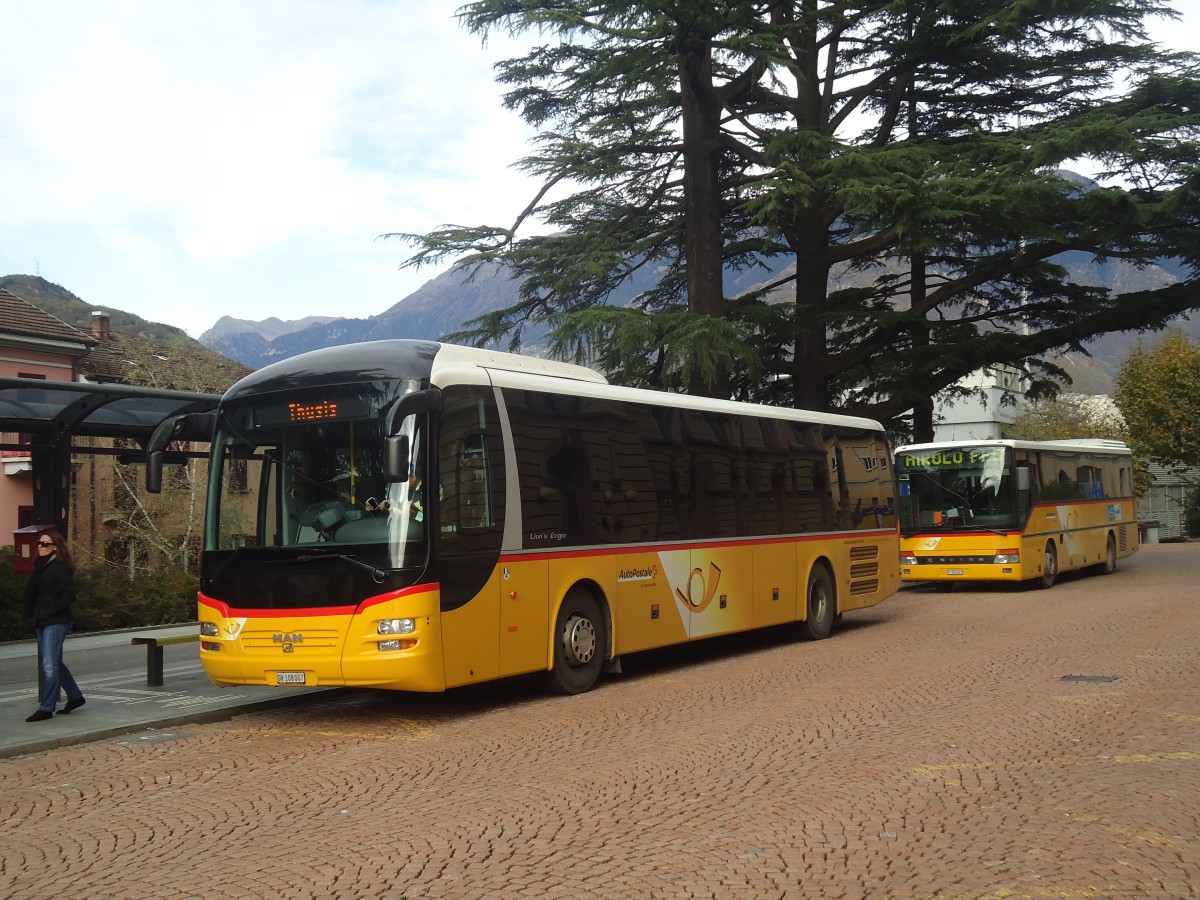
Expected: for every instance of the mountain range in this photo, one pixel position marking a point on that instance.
(439, 307)
(443, 304)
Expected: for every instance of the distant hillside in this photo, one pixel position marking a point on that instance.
(138, 352)
(269, 328)
(62, 304)
(439, 307)
(244, 339)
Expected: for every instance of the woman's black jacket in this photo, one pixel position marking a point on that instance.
(49, 593)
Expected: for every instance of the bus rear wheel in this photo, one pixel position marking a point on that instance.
(1110, 557)
(1049, 566)
(821, 603)
(578, 646)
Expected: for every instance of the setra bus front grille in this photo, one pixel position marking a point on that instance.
(973, 560)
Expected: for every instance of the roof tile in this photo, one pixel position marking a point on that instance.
(20, 317)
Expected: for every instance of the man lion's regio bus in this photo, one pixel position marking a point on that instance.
(418, 516)
(1006, 510)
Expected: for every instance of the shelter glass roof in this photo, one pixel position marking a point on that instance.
(50, 409)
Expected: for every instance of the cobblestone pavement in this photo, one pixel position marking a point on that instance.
(982, 744)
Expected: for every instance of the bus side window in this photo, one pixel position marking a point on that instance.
(567, 471)
(1027, 480)
(474, 494)
(1089, 479)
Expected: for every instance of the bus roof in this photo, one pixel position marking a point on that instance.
(446, 364)
(494, 360)
(408, 359)
(1080, 445)
(505, 372)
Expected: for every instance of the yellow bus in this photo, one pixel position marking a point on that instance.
(1006, 510)
(419, 516)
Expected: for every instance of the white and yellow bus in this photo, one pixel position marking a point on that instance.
(418, 516)
(1006, 510)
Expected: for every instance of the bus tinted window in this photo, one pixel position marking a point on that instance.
(597, 472)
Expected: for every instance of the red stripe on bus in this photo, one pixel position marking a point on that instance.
(633, 549)
(225, 610)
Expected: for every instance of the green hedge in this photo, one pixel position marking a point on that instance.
(105, 599)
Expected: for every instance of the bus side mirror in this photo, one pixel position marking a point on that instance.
(184, 427)
(396, 453)
(426, 401)
(396, 446)
(1022, 478)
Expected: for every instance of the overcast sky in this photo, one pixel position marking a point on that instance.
(186, 160)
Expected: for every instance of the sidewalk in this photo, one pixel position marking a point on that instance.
(118, 701)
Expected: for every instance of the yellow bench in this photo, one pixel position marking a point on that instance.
(154, 653)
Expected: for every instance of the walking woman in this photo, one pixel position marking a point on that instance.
(49, 594)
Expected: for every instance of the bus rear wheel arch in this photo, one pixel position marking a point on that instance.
(579, 644)
(820, 597)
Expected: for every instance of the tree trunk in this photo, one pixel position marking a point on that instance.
(810, 363)
(923, 405)
(704, 241)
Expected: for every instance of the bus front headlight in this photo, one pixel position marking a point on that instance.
(1008, 557)
(397, 626)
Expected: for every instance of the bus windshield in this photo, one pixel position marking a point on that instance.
(304, 473)
(956, 489)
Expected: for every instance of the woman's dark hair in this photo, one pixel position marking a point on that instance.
(60, 547)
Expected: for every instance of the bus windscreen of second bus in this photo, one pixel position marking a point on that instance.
(959, 488)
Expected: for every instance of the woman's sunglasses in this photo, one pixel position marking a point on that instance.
(45, 543)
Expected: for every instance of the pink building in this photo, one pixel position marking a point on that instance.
(33, 344)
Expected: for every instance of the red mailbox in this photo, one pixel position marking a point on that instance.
(25, 547)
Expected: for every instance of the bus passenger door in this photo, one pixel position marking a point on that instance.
(524, 615)
(469, 525)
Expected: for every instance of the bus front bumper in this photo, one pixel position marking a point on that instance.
(394, 645)
(915, 569)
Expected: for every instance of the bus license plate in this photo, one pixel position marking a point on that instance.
(954, 571)
(289, 678)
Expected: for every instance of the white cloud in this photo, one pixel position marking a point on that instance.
(170, 155)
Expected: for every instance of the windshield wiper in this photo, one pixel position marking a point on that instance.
(377, 575)
(983, 528)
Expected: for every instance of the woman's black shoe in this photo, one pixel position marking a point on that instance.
(40, 716)
(70, 705)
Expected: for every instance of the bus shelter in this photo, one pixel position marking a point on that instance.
(50, 415)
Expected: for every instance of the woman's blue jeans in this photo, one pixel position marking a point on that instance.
(55, 673)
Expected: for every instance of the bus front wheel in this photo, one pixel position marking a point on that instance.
(579, 643)
(822, 604)
(1049, 566)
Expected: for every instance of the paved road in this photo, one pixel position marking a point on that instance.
(112, 674)
(983, 744)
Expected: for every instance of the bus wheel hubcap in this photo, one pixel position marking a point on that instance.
(817, 602)
(579, 640)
